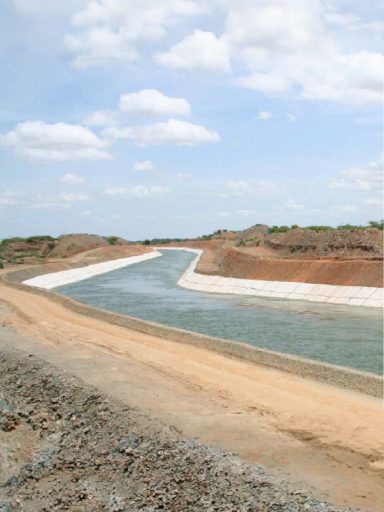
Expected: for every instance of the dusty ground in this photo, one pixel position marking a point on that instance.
(66, 446)
(317, 436)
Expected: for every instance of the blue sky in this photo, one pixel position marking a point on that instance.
(180, 117)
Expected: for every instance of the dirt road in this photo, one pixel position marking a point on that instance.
(319, 436)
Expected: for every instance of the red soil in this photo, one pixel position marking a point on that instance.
(348, 272)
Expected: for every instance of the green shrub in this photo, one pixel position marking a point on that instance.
(378, 224)
(111, 239)
(39, 238)
(7, 241)
(278, 229)
(319, 229)
(349, 227)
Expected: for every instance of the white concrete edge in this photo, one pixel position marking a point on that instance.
(332, 294)
(55, 279)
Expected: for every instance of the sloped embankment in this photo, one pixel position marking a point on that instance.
(239, 263)
(81, 451)
(346, 257)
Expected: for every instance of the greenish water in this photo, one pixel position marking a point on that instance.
(343, 335)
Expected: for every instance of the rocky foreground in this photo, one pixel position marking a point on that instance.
(65, 446)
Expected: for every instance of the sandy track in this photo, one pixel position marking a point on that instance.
(320, 436)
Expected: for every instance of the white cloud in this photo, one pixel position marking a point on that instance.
(73, 198)
(303, 48)
(110, 30)
(352, 22)
(369, 177)
(144, 165)
(288, 48)
(138, 191)
(198, 51)
(72, 179)
(294, 205)
(102, 118)
(267, 83)
(40, 141)
(40, 202)
(150, 102)
(173, 131)
(264, 115)
(86, 213)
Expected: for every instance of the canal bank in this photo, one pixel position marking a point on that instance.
(310, 432)
(277, 332)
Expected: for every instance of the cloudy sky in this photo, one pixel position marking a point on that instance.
(148, 118)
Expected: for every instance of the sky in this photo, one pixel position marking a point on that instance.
(175, 118)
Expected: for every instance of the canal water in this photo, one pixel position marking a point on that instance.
(345, 335)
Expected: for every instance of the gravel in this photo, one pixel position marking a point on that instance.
(91, 453)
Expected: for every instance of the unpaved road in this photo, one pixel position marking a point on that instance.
(321, 437)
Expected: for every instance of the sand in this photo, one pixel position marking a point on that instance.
(317, 435)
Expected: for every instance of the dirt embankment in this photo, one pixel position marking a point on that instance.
(82, 259)
(240, 264)
(66, 446)
(338, 257)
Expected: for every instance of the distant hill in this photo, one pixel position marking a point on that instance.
(35, 249)
(314, 241)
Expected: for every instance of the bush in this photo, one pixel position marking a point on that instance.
(319, 229)
(349, 227)
(378, 224)
(7, 241)
(39, 238)
(278, 229)
(111, 239)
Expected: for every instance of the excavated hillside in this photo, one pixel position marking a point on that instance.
(350, 257)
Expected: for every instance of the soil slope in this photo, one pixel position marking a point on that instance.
(316, 435)
(66, 446)
(346, 272)
(340, 257)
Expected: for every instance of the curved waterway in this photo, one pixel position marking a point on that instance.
(343, 335)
